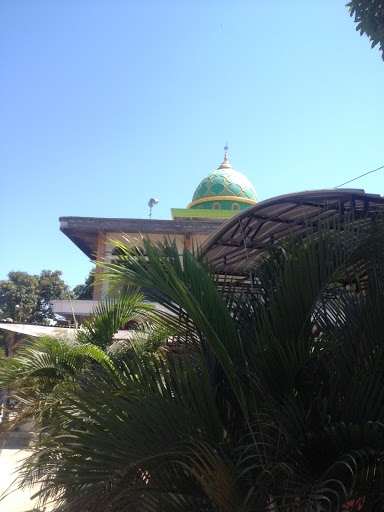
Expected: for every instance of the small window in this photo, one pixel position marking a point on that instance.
(236, 207)
(216, 206)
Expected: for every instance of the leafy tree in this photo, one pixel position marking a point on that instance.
(85, 291)
(32, 294)
(50, 286)
(271, 399)
(21, 289)
(369, 15)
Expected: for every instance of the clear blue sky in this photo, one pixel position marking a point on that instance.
(106, 104)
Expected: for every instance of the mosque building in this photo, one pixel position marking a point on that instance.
(219, 196)
(224, 220)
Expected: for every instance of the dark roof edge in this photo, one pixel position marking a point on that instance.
(317, 195)
(137, 225)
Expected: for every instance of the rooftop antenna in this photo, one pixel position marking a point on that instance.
(151, 204)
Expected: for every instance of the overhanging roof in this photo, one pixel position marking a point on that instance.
(84, 231)
(236, 245)
(40, 331)
(37, 331)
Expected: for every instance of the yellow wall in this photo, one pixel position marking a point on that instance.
(105, 247)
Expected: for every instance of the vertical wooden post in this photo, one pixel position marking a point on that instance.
(9, 346)
(187, 241)
(101, 245)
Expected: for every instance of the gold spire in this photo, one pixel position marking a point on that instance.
(225, 163)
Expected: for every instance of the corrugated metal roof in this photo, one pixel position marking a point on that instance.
(38, 331)
(242, 240)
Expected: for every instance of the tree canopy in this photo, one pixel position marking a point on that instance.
(85, 291)
(369, 16)
(26, 298)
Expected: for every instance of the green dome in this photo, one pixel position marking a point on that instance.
(225, 183)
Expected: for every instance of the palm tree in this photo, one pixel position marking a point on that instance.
(275, 398)
(45, 366)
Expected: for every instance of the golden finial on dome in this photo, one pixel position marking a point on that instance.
(225, 163)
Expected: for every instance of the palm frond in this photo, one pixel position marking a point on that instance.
(105, 454)
(188, 293)
(111, 314)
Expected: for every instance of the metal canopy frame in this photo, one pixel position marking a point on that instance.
(235, 247)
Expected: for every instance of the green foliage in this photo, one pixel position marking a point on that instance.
(42, 367)
(111, 314)
(37, 374)
(3, 343)
(265, 399)
(50, 286)
(124, 428)
(85, 291)
(369, 15)
(20, 289)
(32, 294)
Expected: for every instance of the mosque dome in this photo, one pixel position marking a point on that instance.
(224, 189)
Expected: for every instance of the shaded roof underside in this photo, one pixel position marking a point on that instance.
(236, 246)
(84, 231)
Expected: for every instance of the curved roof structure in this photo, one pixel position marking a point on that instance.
(238, 243)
